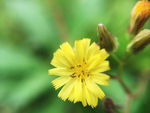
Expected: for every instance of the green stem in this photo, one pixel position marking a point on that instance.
(125, 88)
(142, 83)
(122, 63)
(127, 104)
(141, 86)
(115, 58)
(119, 79)
(119, 74)
(59, 21)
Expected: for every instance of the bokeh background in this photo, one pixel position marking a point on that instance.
(31, 30)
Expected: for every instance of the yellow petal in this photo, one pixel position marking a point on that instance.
(102, 94)
(68, 52)
(86, 95)
(100, 78)
(78, 91)
(72, 94)
(66, 90)
(91, 99)
(85, 44)
(79, 51)
(60, 72)
(104, 66)
(97, 59)
(60, 81)
(93, 49)
(103, 53)
(94, 61)
(94, 101)
(84, 103)
(59, 60)
(76, 94)
(95, 89)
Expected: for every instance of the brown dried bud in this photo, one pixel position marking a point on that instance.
(106, 40)
(140, 41)
(139, 15)
(108, 105)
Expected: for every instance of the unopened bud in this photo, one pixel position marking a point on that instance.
(108, 105)
(139, 15)
(106, 40)
(141, 40)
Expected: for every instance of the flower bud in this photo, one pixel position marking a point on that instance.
(108, 105)
(139, 15)
(141, 40)
(106, 40)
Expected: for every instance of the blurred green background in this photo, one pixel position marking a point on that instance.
(31, 30)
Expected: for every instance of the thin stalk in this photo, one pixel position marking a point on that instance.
(127, 104)
(58, 18)
(115, 58)
(125, 88)
(119, 79)
(122, 63)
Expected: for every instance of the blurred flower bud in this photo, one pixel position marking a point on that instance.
(106, 40)
(141, 40)
(139, 15)
(108, 105)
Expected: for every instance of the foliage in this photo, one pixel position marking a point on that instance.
(31, 30)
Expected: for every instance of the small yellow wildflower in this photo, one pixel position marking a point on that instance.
(80, 70)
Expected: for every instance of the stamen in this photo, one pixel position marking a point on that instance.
(78, 65)
(72, 67)
(79, 70)
(73, 75)
(83, 72)
(84, 61)
(82, 80)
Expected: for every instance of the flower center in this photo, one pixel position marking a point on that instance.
(80, 71)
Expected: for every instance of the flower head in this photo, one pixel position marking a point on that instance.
(79, 71)
(139, 15)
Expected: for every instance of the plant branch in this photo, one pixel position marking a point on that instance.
(119, 79)
(127, 103)
(122, 63)
(115, 58)
(126, 89)
(58, 18)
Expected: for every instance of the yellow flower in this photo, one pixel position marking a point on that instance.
(79, 71)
